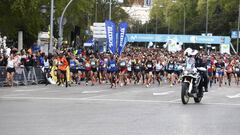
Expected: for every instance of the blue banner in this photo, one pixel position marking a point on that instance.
(111, 36)
(178, 38)
(122, 30)
(234, 35)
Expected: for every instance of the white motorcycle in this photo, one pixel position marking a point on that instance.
(192, 85)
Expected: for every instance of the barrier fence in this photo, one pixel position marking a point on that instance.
(23, 76)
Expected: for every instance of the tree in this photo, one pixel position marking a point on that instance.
(25, 15)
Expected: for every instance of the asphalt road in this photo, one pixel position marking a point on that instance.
(130, 110)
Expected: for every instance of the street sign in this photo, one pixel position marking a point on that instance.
(99, 30)
(234, 35)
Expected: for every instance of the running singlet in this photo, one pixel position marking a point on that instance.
(170, 66)
(112, 65)
(88, 65)
(137, 67)
(219, 66)
(62, 64)
(93, 64)
(122, 64)
(149, 65)
(159, 67)
(229, 68)
(129, 66)
(72, 63)
(237, 69)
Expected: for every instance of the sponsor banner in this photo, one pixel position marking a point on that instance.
(178, 38)
(225, 48)
(111, 36)
(121, 36)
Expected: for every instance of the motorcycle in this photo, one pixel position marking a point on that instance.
(192, 85)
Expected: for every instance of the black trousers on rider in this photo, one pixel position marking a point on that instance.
(206, 81)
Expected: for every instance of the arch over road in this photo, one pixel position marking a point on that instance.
(192, 39)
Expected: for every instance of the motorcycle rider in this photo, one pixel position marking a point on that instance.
(200, 62)
(194, 60)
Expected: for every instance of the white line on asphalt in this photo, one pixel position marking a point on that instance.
(13, 95)
(163, 93)
(112, 100)
(175, 100)
(234, 96)
(37, 89)
(93, 91)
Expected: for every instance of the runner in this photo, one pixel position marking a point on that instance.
(149, 70)
(62, 66)
(112, 70)
(220, 71)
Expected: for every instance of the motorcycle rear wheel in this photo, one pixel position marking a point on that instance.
(184, 93)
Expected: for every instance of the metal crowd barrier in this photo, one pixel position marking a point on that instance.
(20, 76)
(23, 76)
(3, 75)
(40, 78)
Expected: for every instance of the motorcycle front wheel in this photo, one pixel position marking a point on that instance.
(184, 94)
(198, 99)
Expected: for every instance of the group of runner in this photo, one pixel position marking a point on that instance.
(141, 66)
(135, 65)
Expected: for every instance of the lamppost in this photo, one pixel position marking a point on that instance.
(206, 22)
(50, 47)
(60, 32)
(43, 10)
(110, 9)
(96, 12)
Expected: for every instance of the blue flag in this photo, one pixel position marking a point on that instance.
(111, 36)
(121, 36)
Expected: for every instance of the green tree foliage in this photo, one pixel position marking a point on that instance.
(223, 15)
(25, 15)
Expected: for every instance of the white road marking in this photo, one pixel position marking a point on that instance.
(163, 93)
(111, 100)
(12, 95)
(234, 96)
(37, 89)
(175, 100)
(91, 92)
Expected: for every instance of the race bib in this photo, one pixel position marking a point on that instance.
(122, 64)
(93, 63)
(137, 67)
(87, 65)
(112, 65)
(149, 65)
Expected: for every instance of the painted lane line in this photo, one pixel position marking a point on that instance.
(163, 93)
(91, 92)
(13, 95)
(112, 100)
(176, 100)
(234, 96)
(21, 90)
